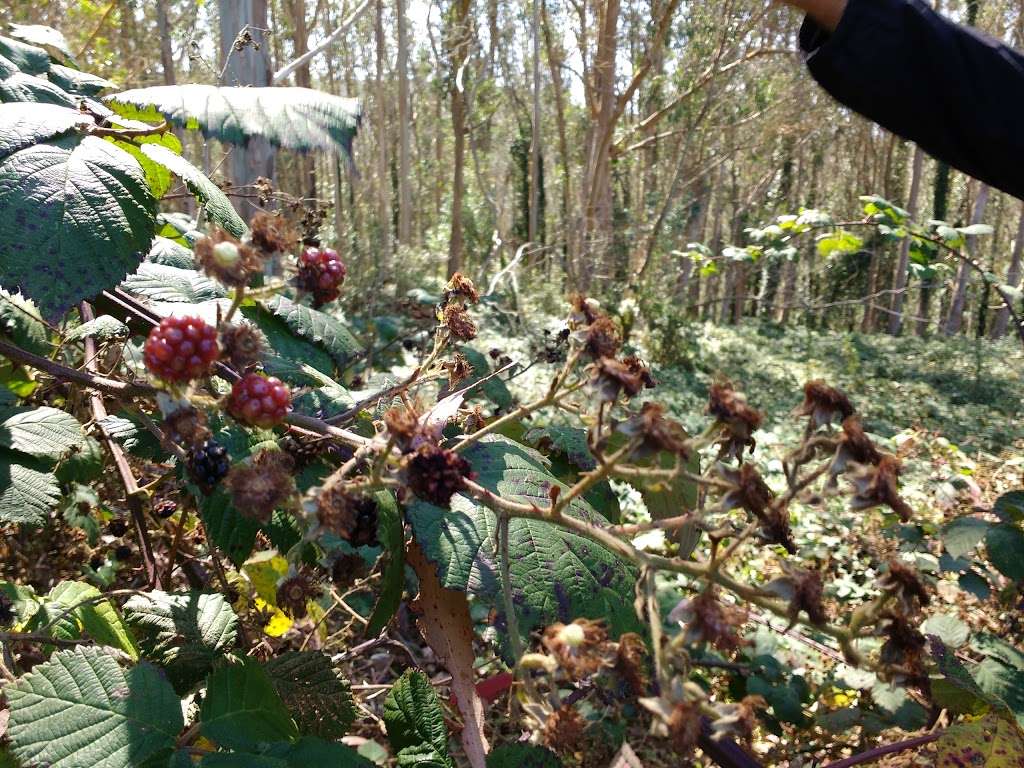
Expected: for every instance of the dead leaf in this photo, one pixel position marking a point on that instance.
(448, 629)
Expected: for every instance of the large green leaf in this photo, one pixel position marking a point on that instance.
(292, 355)
(81, 709)
(21, 322)
(97, 615)
(523, 756)
(415, 722)
(184, 632)
(309, 751)
(229, 529)
(963, 534)
(30, 59)
(76, 216)
(391, 534)
(556, 575)
(241, 709)
(18, 87)
(314, 692)
(22, 125)
(1003, 681)
(292, 118)
(1005, 546)
(47, 38)
(218, 208)
(45, 432)
(78, 82)
(171, 253)
(317, 327)
(991, 742)
(172, 285)
(28, 490)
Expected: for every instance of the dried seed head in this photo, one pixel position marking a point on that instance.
(579, 647)
(631, 663)
(877, 485)
(602, 338)
(271, 234)
(435, 474)
(459, 369)
(584, 311)
(352, 517)
(226, 260)
(294, 594)
(684, 727)
(808, 590)
(458, 322)
(823, 404)
(460, 287)
(658, 433)
(242, 345)
(187, 427)
(738, 720)
(402, 425)
(346, 570)
(711, 621)
(738, 420)
(563, 729)
(611, 377)
(904, 583)
(262, 485)
(904, 645)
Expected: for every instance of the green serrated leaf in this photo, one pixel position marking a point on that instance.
(992, 742)
(98, 617)
(291, 118)
(43, 432)
(186, 632)
(81, 709)
(28, 490)
(218, 208)
(102, 328)
(1010, 507)
(1004, 544)
(314, 692)
(311, 751)
(1003, 682)
(21, 322)
(292, 355)
(415, 722)
(556, 575)
(30, 59)
(391, 534)
(76, 216)
(327, 332)
(18, 87)
(963, 534)
(241, 710)
(170, 253)
(231, 531)
(23, 125)
(172, 285)
(41, 36)
(77, 82)
(132, 436)
(494, 389)
(948, 628)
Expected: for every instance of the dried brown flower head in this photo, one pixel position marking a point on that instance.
(904, 583)
(459, 369)
(261, 485)
(611, 377)
(738, 420)
(435, 474)
(749, 492)
(823, 404)
(294, 593)
(684, 727)
(402, 425)
(187, 427)
(563, 729)
(580, 647)
(854, 447)
(805, 590)
(242, 345)
(226, 260)
(657, 432)
(602, 338)
(738, 720)
(877, 485)
(711, 621)
(904, 645)
(352, 517)
(456, 319)
(346, 570)
(271, 234)
(584, 311)
(460, 286)
(631, 662)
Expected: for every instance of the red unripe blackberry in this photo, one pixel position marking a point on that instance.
(258, 400)
(181, 349)
(321, 273)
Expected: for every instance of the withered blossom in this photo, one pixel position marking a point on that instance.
(353, 517)
(853, 448)
(435, 474)
(657, 432)
(738, 420)
(460, 286)
(877, 486)
(684, 727)
(611, 377)
(459, 369)
(227, 260)
(905, 585)
(564, 729)
(709, 620)
(293, 595)
(804, 589)
(262, 485)
(751, 493)
(456, 319)
(601, 338)
(824, 404)
(581, 647)
(271, 234)
(737, 720)
(242, 345)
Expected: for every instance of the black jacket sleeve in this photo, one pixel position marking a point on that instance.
(955, 92)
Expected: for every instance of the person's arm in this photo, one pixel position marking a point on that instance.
(954, 91)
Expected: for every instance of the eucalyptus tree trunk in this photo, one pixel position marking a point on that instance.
(248, 66)
(458, 49)
(535, 146)
(166, 53)
(1013, 275)
(955, 318)
(383, 179)
(404, 128)
(900, 275)
(303, 79)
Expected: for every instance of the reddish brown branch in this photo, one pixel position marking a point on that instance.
(886, 749)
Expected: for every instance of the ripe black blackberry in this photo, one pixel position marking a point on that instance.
(117, 527)
(123, 552)
(208, 463)
(164, 509)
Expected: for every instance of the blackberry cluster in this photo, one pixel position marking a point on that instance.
(435, 474)
(260, 401)
(208, 463)
(321, 274)
(353, 518)
(181, 349)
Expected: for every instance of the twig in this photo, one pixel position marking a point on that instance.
(64, 373)
(887, 749)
